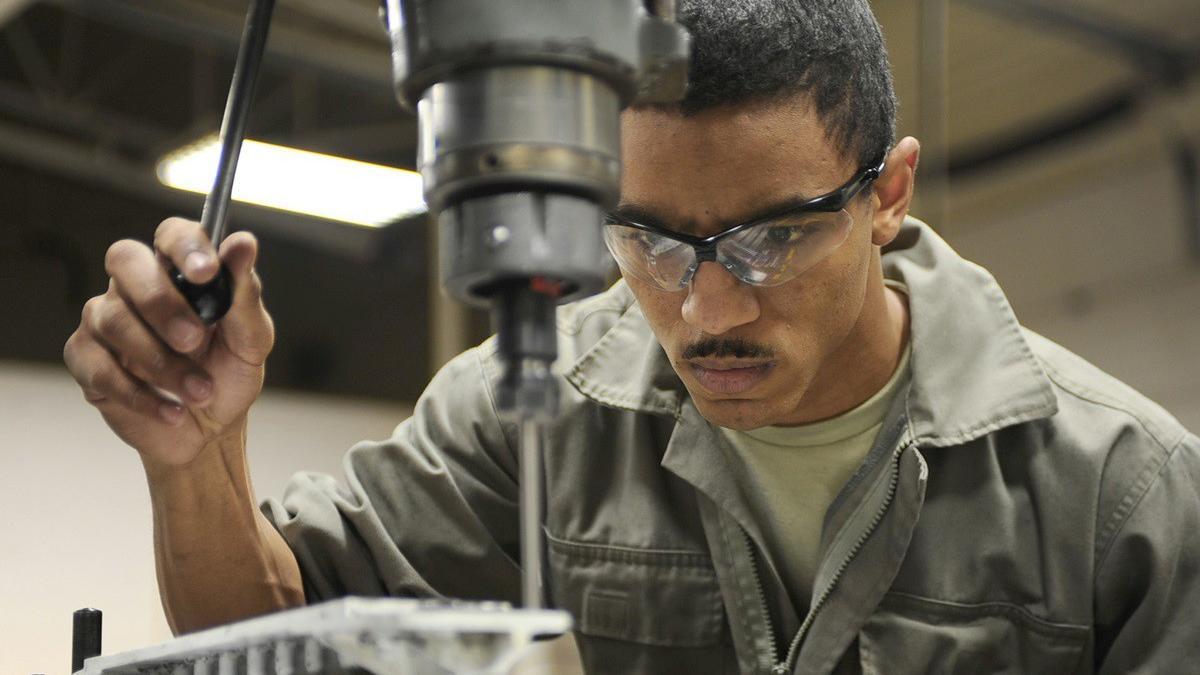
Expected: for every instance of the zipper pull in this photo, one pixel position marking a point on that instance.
(779, 669)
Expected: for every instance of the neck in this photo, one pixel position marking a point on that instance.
(866, 359)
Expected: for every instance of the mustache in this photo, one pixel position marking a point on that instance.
(721, 348)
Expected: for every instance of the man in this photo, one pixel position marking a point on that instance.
(820, 441)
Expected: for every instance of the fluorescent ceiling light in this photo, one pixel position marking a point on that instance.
(305, 182)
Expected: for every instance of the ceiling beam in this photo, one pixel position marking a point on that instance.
(98, 125)
(363, 63)
(44, 151)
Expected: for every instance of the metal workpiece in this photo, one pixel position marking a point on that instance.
(351, 636)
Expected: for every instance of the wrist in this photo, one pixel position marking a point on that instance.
(222, 454)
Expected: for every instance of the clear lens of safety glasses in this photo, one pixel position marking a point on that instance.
(651, 257)
(768, 253)
(774, 252)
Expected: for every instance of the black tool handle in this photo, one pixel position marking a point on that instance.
(212, 300)
(85, 636)
(209, 301)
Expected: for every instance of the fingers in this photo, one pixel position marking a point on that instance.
(109, 387)
(110, 322)
(142, 282)
(139, 278)
(247, 328)
(187, 247)
(143, 357)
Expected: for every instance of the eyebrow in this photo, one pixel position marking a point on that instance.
(646, 216)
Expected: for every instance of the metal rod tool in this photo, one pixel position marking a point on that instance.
(212, 300)
(86, 631)
(531, 514)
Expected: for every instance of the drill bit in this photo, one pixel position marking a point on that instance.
(531, 513)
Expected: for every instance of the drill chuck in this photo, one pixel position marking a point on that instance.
(518, 106)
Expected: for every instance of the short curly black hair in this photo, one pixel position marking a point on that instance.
(763, 50)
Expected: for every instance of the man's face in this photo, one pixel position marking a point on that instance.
(748, 355)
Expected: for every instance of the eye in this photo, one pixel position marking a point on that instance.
(657, 245)
(787, 234)
(647, 242)
(640, 238)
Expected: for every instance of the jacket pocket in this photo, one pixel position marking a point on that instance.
(655, 597)
(910, 634)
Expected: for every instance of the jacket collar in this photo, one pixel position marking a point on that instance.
(627, 367)
(972, 369)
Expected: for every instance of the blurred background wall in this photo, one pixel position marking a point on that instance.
(76, 528)
(1059, 151)
(1064, 160)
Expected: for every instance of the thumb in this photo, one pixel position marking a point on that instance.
(247, 329)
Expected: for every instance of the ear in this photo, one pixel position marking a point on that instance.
(894, 190)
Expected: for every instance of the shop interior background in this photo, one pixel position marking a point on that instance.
(1060, 144)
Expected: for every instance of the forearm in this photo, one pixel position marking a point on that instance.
(218, 559)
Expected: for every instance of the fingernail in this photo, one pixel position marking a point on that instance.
(184, 334)
(195, 262)
(172, 414)
(197, 387)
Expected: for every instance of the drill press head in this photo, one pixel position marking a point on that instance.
(518, 105)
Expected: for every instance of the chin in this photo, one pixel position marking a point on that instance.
(737, 414)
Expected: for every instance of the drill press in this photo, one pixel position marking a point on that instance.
(518, 106)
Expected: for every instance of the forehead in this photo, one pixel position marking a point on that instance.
(721, 164)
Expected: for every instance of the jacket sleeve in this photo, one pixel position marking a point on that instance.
(431, 512)
(1148, 579)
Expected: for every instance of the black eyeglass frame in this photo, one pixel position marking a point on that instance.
(705, 248)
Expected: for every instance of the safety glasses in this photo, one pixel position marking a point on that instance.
(766, 251)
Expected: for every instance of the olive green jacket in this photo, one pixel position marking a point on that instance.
(1020, 512)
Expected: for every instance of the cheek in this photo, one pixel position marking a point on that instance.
(820, 309)
(662, 310)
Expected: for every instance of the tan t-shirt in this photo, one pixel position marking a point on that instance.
(793, 474)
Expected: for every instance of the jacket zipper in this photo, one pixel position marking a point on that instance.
(785, 666)
(772, 647)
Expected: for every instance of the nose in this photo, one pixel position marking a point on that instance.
(717, 302)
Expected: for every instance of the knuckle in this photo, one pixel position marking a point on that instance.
(168, 226)
(256, 285)
(119, 254)
(68, 353)
(164, 226)
(99, 381)
(89, 310)
(173, 232)
(82, 368)
(269, 337)
(112, 322)
(159, 300)
(71, 348)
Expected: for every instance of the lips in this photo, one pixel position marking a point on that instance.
(728, 377)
